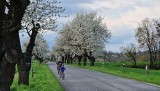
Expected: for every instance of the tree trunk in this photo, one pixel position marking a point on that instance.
(71, 60)
(79, 59)
(151, 58)
(25, 65)
(11, 51)
(63, 59)
(68, 59)
(155, 49)
(7, 75)
(2, 9)
(84, 57)
(22, 78)
(133, 57)
(91, 58)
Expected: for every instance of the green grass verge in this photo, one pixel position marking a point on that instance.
(115, 68)
(42, 80)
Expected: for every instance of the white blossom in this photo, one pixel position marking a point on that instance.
(86, 30)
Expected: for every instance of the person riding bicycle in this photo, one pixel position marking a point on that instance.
(62, 75)
(59, 64)
(63, 68)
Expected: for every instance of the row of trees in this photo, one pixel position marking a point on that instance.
(148, 38)
(112, 56)
(26, 16)
(85, 33)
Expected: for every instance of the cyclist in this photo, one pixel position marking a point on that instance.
(59, 64)
(62, 71)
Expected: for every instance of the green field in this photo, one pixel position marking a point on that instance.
(116, 68)
(42, 80)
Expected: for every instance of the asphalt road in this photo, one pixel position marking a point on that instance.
(78, 79)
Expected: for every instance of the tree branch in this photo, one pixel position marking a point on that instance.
(28, 32)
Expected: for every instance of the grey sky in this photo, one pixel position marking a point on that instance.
(121, 17)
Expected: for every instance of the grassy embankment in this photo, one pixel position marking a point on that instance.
(42, 80)
(116, 68)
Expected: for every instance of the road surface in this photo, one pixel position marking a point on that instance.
(78, 79)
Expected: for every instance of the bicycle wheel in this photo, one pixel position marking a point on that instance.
(63, 76)
(58, 69)
(60, 73)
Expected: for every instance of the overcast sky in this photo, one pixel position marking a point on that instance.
(121, 17)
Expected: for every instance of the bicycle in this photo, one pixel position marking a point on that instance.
(58, 69)
(62, 74)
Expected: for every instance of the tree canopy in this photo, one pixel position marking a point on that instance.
(86, 30)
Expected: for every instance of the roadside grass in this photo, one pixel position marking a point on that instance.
(42, 80)
(115, 68)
